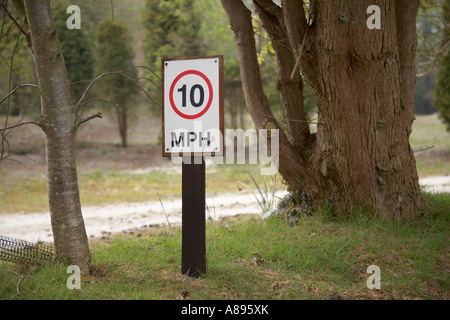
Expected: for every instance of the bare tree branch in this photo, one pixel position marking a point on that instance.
(92, 116)
(14, 20)
(149, 80)
(17, 88)
(19, 125)
(5, 34)
(147, 68)
(423, 149)
(98, 100)
(299, 58)
(122, 73)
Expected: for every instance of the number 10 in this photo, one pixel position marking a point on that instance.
(192, 95)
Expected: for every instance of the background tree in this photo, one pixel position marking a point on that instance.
(114, 52)
(443, 78)
(443, 91)
(217, 38)
(173, 28)
(431, 42)
(363, 81)
(184, 28)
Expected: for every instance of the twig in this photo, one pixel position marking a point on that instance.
(92, 116)
(6, 286)
(20, 124)
(147, 68)
(17, 285)
(420, 150)
(32, 291)
(7, 158)
(15, 21)
(17, 88)
(300, 53)
(99, 100)
(149, 80)
(122, 73)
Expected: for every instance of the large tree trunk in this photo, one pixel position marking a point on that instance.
(365, 100)
(59, 122)
(364, 82)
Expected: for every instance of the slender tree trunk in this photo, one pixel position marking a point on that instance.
(291, 165)
(59, 122)
(289, 84)
(122, 122)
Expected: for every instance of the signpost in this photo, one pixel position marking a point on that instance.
(192, 120)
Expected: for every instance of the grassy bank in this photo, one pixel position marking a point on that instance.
(320, 257)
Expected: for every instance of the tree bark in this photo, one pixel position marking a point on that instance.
(59, 122)
(364, 83)
(365, 98)
(290, 85)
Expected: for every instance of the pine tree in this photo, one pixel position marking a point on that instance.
(442, 96)
(172, 30)
(114, 54)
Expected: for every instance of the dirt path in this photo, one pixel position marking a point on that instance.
(436, 184)
(125, 217)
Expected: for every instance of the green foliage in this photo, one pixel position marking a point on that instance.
(16, 67)
(431, 39)
(266, 190)
(114, 53)
(217, 37)
(184, 28)
(442, 97)
(172, 30)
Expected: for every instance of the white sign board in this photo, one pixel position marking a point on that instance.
(192, 106)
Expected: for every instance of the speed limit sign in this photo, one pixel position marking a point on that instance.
(192, 114)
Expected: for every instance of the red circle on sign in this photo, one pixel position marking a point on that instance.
(208, 104)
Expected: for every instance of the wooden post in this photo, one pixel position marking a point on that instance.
(193, 252)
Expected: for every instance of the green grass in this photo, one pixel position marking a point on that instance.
(29, 195)
(428, 132)
(321, 257)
